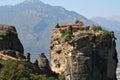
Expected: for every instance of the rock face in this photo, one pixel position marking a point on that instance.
(43, 64)
(85, 55)
(9, 39)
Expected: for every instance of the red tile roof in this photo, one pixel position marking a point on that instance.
(66, 25)
(77, 26)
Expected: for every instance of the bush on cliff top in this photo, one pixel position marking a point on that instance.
(96, 28)
(106, 33)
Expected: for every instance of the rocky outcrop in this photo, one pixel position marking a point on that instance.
(86, 54)
(11, 54)
(9, 39)
(11, 48)
(43, 64)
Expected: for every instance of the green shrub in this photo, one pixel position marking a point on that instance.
(57, 26)
(76, 21)
(64, 33)
(61, 77)
(14, 70)
(75, 30)
(106, 34)
(96, 28)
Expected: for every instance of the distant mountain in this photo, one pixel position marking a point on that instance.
(114, 18)
(35, 20)
(111, 23)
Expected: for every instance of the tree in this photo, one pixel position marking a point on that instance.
(57, 26)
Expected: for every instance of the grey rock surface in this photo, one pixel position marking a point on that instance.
(87, 55)
(9, 38)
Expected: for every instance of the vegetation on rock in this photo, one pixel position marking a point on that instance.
(14, 70)
(57, 26)
(64, 33)
(106, 33)
(96, 28)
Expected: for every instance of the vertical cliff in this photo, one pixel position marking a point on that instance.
(12, 54)
(10, 45)
(83, 53)
(9, 38)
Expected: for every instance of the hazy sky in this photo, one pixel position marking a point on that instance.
(87, 8)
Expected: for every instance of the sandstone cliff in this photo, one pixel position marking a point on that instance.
(83, 53)
(12, 48)
(9, 38)
(10, 45)
(43, 65)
